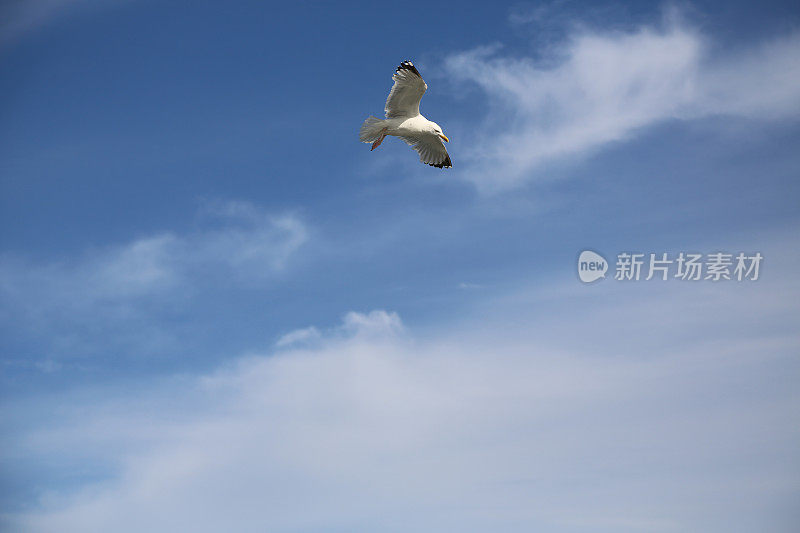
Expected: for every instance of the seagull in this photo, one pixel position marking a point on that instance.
(404, 121)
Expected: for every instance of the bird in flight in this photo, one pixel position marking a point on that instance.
(404, 121)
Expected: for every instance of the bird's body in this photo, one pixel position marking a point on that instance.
(403, 120)
(404, 126)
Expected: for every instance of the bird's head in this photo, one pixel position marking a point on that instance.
(437, 130)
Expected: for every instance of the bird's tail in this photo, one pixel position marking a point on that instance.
(371, 130)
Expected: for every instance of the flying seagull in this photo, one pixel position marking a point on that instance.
(404, 121)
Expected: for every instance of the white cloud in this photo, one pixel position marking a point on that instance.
(502, 425)
(600, 87)
(298, 336)
(374, 323)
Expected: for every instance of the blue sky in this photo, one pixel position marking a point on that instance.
(216, 303)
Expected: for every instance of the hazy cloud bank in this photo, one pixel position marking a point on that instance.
(484, 427)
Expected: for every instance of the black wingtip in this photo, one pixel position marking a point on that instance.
(408, 65)
(444, 164)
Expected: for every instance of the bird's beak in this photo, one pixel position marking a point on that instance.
(444, 137)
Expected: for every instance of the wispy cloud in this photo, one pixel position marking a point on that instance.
(244, 243)
(237, 244)
(597, 87)
(298, 336)
(374, 322)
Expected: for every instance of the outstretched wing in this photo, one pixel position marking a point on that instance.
(431, 150)
(406, 92)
